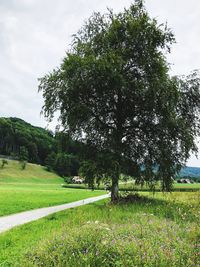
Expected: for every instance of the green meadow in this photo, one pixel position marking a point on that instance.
(159, 230)
(130, 186)
(12, 172)
(151, 230)
(33, 188)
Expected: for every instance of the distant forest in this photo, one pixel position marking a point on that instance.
(16, 133)
(57, 151)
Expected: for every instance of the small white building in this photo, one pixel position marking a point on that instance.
(77, 180)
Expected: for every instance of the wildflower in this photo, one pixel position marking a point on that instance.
(104, 242)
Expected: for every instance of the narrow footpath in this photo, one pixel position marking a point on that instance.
(10, 221)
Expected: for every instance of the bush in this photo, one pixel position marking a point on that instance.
(3, 163)
(68, 180)
(23, 164)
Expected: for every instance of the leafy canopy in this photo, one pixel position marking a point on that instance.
(16, 134)
(114, 91)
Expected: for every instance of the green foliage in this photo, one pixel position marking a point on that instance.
(66, 164)
(114, 91)
(23, 164)
(98, 167)
(23, 154)
(195, 179)
(68, 180)
(50, 161)
(66, 155)
(23, 157)
(16, 133)
(3, 163)
(65, 144)
(88, 171)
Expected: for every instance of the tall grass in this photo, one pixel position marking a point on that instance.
(159, 231)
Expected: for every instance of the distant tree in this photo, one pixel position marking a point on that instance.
(3, 163)
(23, 164)
(66, 164)
(16, 133)
(23, 157)
(65, 144)
(88, 171)
(113, 90)
(50, 161)
(33, 152)
(44, 148)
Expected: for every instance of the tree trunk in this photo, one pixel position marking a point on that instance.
(115, 189)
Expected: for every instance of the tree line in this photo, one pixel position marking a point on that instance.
(17, 135)
(57, 151)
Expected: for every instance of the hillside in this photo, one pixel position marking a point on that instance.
(16, 134)
(190, 171)
(21, 140)
(32, 174)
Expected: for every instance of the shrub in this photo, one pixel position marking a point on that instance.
(3, 163)
(68, 180)
(23, 164)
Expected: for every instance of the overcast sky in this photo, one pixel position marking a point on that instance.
(34, 35)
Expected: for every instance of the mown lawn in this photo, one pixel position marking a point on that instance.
(17, 198)
(130, 186)
(151, 231)
(14, 173)
(33, 188)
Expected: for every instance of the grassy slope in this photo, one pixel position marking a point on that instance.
(33, 173)
(33, 188)
(162, 231)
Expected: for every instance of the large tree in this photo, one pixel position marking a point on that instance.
(114, 91)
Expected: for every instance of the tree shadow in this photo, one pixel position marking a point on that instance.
(172, 210)
(162, 208)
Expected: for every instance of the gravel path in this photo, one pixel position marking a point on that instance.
(10, 221)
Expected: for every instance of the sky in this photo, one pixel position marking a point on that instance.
(35, 34)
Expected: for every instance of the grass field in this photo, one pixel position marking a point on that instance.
(33, 188)
(13, 172)
(158, 230)
(155, 231)
(130, 186)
